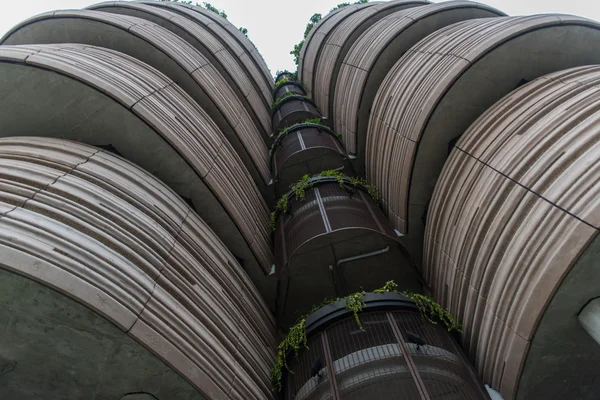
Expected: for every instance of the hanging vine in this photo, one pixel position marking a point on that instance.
(296, 338)
(293, 75)
(355, 303)
(283, 96)
(429, 309)
(306, 182)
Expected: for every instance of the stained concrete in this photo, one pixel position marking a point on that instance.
(486, 81)
(563, 358)
(53, 348)
(37, 102)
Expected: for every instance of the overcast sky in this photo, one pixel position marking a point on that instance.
(276, 25)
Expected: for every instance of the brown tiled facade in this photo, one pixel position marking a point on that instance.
(168, 210)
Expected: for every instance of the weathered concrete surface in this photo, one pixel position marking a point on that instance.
(65, 351)
(39, 102)
(563, 358)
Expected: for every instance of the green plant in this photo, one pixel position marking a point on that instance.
(280, 207)
(296, 51)
(347, 4)
(339, 177)
(296, 337)
(355, 303)
(214, 9)
(299, 188)
(209, 7)
(433, 312)
(182, 2)
(429, 309)
(317, 121)
(298, 47)
(339, 6)
(280, 83)
(371, 190)
(390, 286)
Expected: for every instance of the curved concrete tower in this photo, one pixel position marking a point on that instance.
(412, 214)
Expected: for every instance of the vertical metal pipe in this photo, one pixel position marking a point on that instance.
(409, 361)
(330, 370)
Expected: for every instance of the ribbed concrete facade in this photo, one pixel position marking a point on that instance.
(151, 247)
(510, 228)
(523, 179)
(173, 259)
(371, 58)
(113, 237)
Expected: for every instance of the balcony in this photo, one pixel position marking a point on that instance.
(284, 74)
(305, 148)
(397, 354)
(291, 110)
(288, 87)
(334, 241)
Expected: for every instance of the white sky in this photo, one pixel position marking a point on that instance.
(276, 25)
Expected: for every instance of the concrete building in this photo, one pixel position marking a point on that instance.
(168, 210)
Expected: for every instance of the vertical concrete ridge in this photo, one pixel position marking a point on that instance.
(167, 52)
(169, 111)
(156, 267)
(442, 84)
(515, 207)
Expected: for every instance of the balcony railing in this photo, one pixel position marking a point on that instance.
(306, 148)
(333, 242)
(293, 109)
(289, 87)
(398, 354)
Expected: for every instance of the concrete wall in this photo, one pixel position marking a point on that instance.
(102, 231)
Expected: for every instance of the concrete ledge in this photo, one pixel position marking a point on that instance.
(95, 95)
(309, 55)
(511, 246)
(238, 45)
(338, 43)
(374, 54)
(111, 236)
(442, 84)
(168, 53)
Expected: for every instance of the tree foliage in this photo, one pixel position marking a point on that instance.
(347, 4)
(311, 23)
(206, 5)
(214, 9)
(298, 47)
